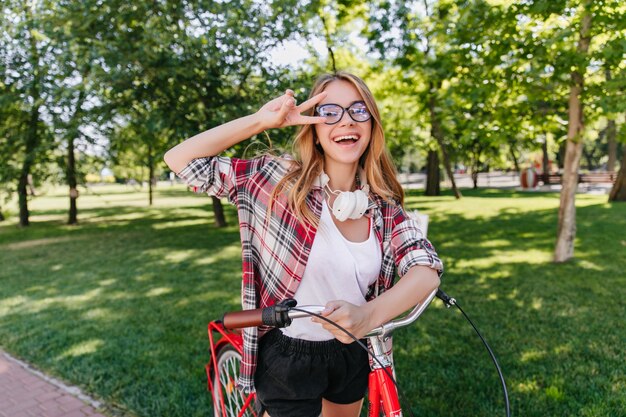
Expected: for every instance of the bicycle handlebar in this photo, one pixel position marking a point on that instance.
(281, 315)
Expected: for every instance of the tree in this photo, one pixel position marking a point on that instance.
(618, 192)
(433, 176)
(610, 134)
(567, 210)
(177, 69)
(77, 101)
(27, 81)
(11, 116)
(566, 231)
(422, 50)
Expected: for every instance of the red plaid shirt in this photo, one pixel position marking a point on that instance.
(275, 250)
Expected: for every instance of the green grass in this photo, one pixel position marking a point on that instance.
(119, 304)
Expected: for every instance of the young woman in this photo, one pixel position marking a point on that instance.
(325, 226)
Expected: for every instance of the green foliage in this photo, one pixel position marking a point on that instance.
(130, 80)
(499, 72)
(26, 74)
(171, 80)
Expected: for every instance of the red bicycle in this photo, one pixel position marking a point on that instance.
(223, 368)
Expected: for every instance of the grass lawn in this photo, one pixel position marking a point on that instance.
(119, 304)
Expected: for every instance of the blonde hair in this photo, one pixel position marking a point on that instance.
(309, 157)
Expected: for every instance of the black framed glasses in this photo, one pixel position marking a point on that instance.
(334, 112)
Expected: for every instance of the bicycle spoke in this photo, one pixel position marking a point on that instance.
(238, 395)
(233, 399)
(232, 389)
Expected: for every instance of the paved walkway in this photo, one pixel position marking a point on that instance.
(25, 392)
(496, 179)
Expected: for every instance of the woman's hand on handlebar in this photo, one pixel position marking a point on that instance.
(282, 111)
(351, 317)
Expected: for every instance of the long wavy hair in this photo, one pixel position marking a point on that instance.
(309, 157)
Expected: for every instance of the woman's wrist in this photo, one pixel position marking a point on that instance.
(410, 290)
(371, 314)
(261, 123)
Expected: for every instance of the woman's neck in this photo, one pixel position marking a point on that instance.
(342, 177)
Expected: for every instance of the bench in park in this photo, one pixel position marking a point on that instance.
(589, 178)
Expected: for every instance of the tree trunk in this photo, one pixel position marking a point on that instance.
(515, 160)
(566, 232)
(71, 152)
(546, 158)
(475, 179)
(29, 158)
(23, 200)
(433, 175)
(329, 42)
(611, 133)
(71, 181)
(437, 132)
(618, 192)
(218, 212)
(150, 173)
(560, 155)
(31, 138)
(1, 215)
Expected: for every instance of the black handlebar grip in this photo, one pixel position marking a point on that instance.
(269, 316)
(273, 316)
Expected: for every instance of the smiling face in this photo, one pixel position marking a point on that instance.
(345, 141)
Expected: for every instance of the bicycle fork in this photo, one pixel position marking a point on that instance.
(382, 390)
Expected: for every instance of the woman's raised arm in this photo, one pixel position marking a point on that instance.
(280, 112)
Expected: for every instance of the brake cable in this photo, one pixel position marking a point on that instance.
(448, 302)
(362, 345)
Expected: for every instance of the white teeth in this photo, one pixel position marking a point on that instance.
(340, 138)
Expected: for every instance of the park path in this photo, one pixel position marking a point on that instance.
(25, 392)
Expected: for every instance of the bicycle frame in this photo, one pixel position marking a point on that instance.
(382, 392)
(228, 338)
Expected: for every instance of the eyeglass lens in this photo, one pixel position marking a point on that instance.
(333, 112)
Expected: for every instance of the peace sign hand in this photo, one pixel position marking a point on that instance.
(282, 111)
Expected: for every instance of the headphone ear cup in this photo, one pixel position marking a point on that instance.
(360, 204)
(343, 206)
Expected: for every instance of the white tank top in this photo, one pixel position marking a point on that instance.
(337, 269)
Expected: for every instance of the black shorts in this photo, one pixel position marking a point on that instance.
(293, 375)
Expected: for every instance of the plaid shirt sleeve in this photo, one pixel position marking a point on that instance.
(410, 247)
(220, 176)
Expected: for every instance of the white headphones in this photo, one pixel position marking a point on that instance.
(348, 204)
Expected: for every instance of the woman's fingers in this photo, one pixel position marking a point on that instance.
(312, 101)
(351, 317)
(289, 113)
(307, 105)
(286, 107)
(309, 120)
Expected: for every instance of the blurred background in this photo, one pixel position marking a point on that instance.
(97, 91)
(506, 120)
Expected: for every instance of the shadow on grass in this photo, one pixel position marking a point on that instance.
(121, 309)
(553, 326)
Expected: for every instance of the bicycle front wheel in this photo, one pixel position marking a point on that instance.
(226, 397)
